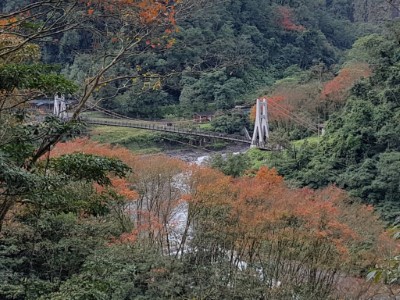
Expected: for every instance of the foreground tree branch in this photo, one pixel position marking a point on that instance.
(120, 30)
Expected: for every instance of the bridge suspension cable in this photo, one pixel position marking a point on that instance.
(116, 115)
(109, 112)
(305, 125)
(260, 135)
(293, 116)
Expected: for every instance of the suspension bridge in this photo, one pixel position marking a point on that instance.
(259, 139)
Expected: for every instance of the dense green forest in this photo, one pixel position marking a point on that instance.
(317, 220)
(219, 56)
(360, 150)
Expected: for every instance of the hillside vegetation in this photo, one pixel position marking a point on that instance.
(360, 149)
(216, 58)
(80, 219)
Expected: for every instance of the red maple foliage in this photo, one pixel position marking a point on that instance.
(286, 19)
(337, 89)
(85, 145)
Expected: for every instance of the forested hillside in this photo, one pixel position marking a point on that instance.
(316, 220)
(217, 58)
(360, 150)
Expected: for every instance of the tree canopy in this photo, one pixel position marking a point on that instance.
(84, 220)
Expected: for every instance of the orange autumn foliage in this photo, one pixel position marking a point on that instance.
(207, 185)
(279, 108)
(286, 19)
(147, 11)
(302, 104)
(121, 186)
(142, 13)
(153, 10)
(295, 103)
(256, 210)
(155, 213)
(156, 199)
(5, 22)
(83, 145)
(270, 176)
(337, 89)
(256, 217)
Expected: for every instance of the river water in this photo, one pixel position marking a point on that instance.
(200, 156)
(179, 216)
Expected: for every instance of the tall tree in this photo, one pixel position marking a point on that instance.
(118, 30)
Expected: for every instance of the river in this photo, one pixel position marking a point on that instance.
(179, 215)
(199, 156)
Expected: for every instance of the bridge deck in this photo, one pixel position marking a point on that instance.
(166, 128)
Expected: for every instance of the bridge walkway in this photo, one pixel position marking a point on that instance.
(165, 128)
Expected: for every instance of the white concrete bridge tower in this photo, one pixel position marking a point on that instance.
(261, 130)
(60, 107)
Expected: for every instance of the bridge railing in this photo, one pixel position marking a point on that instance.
(167, 128)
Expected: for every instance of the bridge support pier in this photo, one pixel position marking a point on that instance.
(261, 130)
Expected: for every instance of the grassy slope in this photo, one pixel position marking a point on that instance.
(137, 140)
